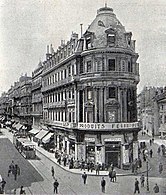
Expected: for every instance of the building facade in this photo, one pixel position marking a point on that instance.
(89, 90)
(37, 100)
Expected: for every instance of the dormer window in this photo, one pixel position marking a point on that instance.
(111, 33)
(111, 39)
(88, 42)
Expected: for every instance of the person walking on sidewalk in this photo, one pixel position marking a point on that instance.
(151, 153)
(56, 184)
(97, 168)
(3, 183)
(136, 186)
(156, 188)
(52, 171)
(84, 177)
(103, 183)
(142, 179)
(22, 191)
(160, 168)
(158, 150)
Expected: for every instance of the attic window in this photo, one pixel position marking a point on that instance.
(88, 42)
(111, 39)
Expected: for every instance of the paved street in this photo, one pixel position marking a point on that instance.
(39, 180)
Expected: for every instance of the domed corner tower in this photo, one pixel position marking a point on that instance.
(108, 78)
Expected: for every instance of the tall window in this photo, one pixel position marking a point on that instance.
(130, 67)
(111, 65)
(89, 94)
(89, 66)
(112, 92)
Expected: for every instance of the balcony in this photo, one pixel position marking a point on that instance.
(64, 124)
(36, 99)
(25, 94)
(37, 113)
(54, 104)
(59, 83)
(36, 86)
(109, 74)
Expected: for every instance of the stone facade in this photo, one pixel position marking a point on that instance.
(89, 93)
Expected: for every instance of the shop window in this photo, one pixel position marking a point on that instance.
(111, 65)
(111, 92)
(89, 66)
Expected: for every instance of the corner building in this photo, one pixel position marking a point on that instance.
(89, 90)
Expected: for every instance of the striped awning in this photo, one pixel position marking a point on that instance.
(41, 134)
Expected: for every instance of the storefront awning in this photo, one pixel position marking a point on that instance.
(46, 139)
(18, 126)
(34, 131)
(41, 134)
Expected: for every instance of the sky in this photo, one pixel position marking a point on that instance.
(28, 26)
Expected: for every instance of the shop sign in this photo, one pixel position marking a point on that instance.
(112, 139)
(108, 126)
(89, 139)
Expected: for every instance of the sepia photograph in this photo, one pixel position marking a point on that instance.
(83, 97)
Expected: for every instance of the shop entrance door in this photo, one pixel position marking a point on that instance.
(112, 157)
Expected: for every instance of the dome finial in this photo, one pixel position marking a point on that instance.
(106, 3)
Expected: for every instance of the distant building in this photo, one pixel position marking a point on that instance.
(89, 88)
(37, 99)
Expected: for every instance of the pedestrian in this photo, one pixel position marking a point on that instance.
(84, 177)
(103, 183)
(52, 171)
(142, 179)
(156, 188)
(82, 164)
(88, 166)
(16, 171)
(3, 183)
(64, 161)
(22, 191)
(97, 168)
(150, 142)
(136, 186)
(151, 153)
(59, 160)
(91, 166)
(158, 150)
(11, 168)
(56, 184)
(1, 191)
(114, 175)
(160, 168)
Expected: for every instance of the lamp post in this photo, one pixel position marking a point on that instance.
(147, 166)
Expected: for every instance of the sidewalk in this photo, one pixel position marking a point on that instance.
(51, 156)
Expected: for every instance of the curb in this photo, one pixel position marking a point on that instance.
(129, 174)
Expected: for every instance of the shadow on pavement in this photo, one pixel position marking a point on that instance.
(28, 174)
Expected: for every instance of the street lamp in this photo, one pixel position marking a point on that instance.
(147, 166)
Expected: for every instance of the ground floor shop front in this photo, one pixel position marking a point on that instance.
(105, 148)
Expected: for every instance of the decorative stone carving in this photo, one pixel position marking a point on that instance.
(112, 103)
(89, 104)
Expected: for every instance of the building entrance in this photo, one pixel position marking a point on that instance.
(113, 153)
(111, 158)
